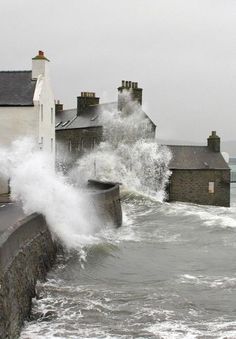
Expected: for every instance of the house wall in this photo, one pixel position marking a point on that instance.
(193, 186)
(44, 103)
(72, 143)
(36, 121)
(16, 122)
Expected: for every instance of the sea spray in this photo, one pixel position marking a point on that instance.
(129, 154)
(36, 185)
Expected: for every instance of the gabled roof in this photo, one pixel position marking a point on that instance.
(16, 88)
(195, 157)
(90, 118)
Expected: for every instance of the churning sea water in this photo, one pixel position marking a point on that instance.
(168, 272)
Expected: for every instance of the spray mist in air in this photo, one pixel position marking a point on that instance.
(35, 184)
(129, 154)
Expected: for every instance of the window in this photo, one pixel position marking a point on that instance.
(211, 187)
(94, 143)
(82, 144)
(70, 146)
(51, 115)
(51, 144)
(41, 108)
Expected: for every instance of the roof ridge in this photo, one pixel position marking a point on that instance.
(25, 71)
(184, 145)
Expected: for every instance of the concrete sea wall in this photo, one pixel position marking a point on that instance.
(106, 198)
(27, 252)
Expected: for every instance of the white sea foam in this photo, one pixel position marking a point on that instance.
(35, 183)
(211, 216)
(209, 281)
(173, 330)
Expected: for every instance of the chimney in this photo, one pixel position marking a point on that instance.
(135, 91)
(213, 142)
(86, 100)
(39, 65)
(58, 107)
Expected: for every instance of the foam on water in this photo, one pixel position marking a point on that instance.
(212, 216)
(212, 282)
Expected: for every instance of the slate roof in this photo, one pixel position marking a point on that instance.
(16, 88)
(195, 157)
(90, 118)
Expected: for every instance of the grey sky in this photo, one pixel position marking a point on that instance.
(182, 52)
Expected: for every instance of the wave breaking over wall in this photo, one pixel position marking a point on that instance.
(38, 188)
(129, 154)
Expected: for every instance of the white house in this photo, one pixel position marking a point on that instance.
(27, 107)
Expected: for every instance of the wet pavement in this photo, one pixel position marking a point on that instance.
(10, 213)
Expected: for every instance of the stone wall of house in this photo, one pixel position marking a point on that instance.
(27, 252)
(193, 186)
(72, 143)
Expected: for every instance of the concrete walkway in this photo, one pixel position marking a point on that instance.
(10, 213)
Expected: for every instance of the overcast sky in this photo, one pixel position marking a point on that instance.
(182, 53)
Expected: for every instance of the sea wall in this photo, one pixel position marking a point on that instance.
(106, 200)
(27, 252)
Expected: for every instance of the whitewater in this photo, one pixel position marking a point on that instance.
(168, 272)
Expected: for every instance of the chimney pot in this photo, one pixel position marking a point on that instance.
(85, 100)
(41, 53)
(58, 107)
(136, 93)
(213, 142)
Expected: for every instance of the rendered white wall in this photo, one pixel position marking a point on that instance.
(40, 67)
(44, 101)
(16, 122)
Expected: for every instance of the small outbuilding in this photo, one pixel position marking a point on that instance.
(199, 174)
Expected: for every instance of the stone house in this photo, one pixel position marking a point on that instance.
(78, 130)
(199, 174)
(27, 107)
